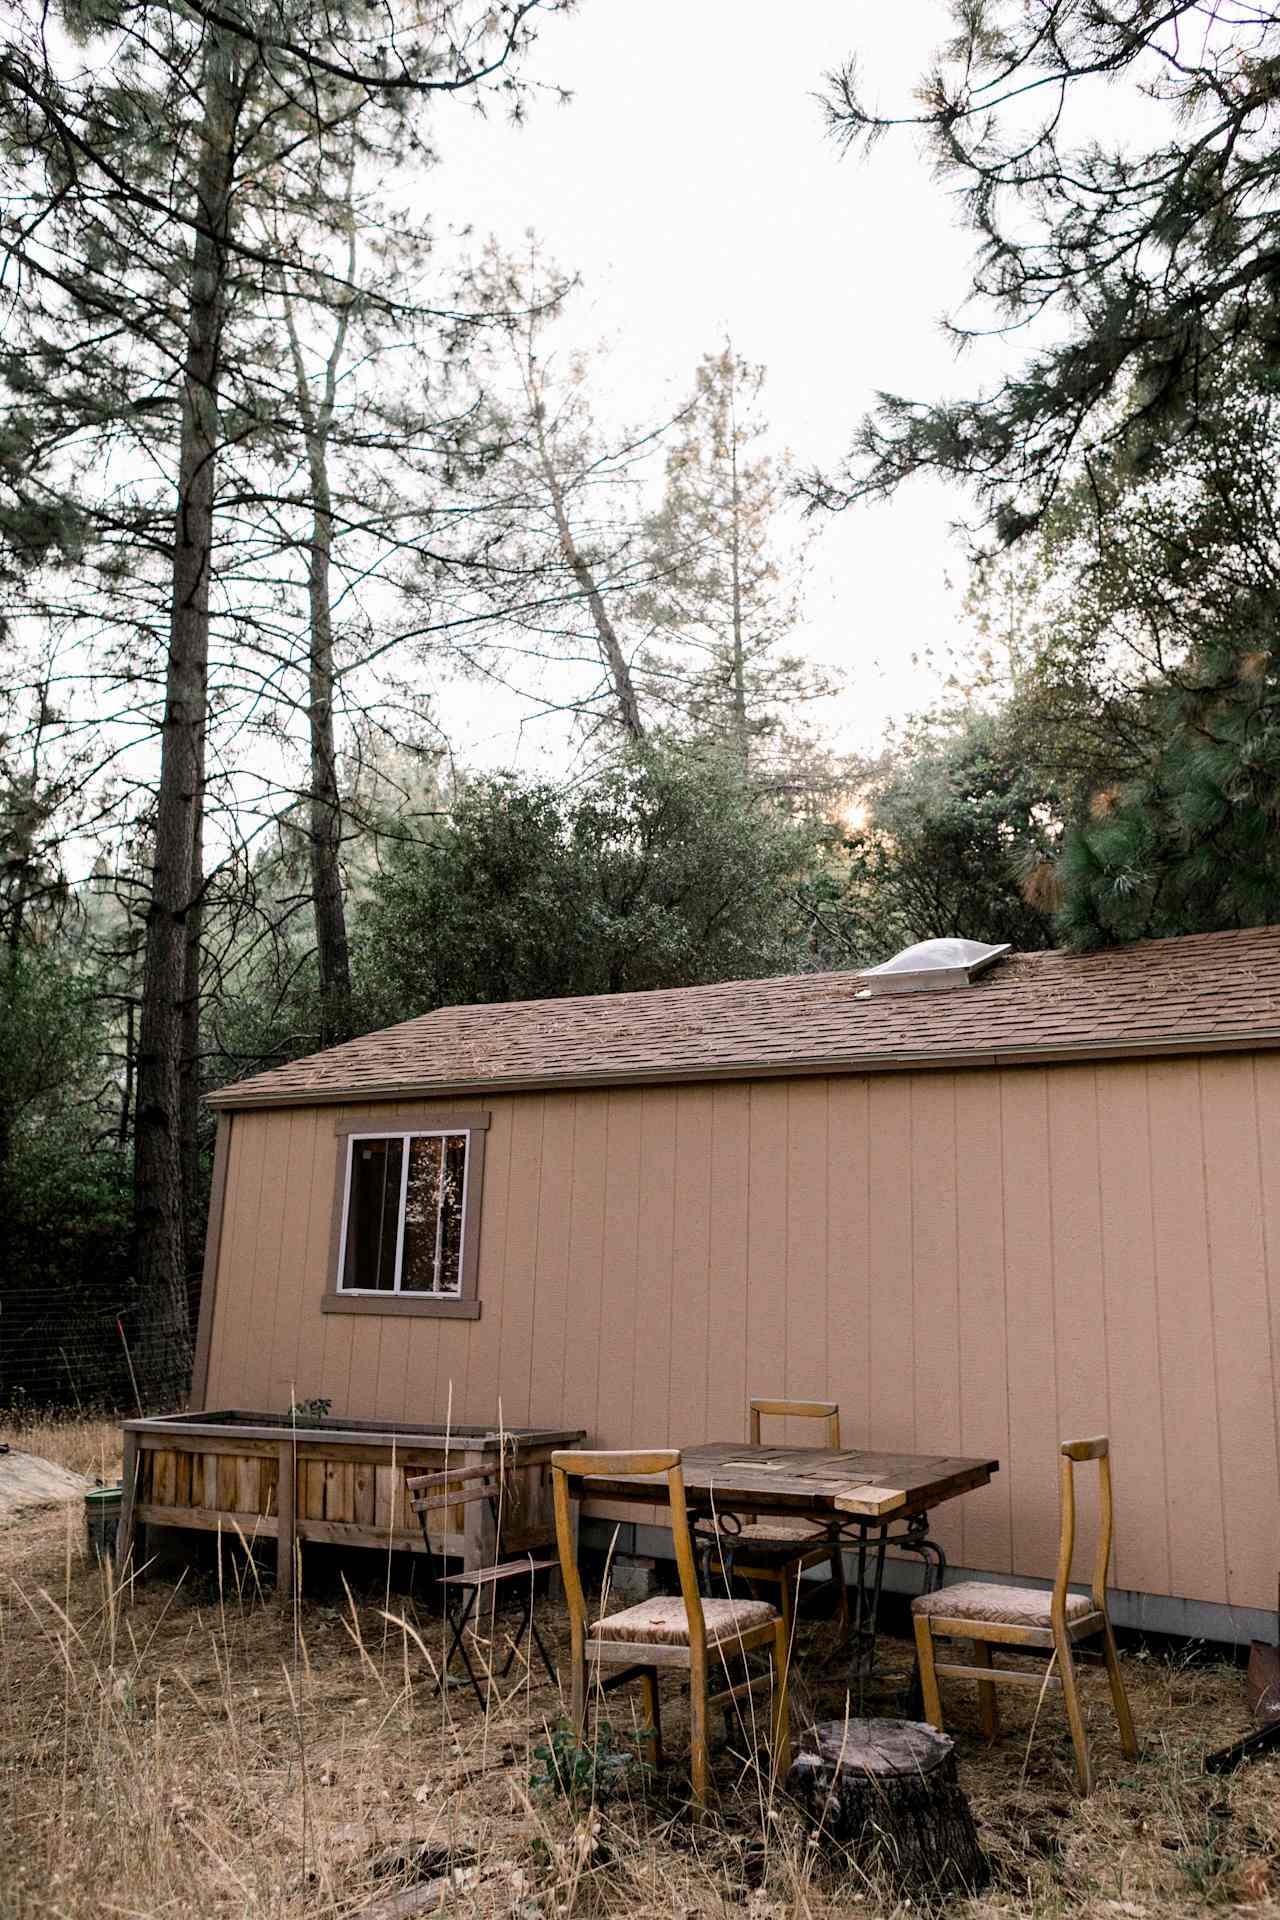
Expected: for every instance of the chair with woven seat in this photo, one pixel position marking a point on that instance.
(687, 1633)
(1028, 1619)
(437, 1493)
(775, 1551)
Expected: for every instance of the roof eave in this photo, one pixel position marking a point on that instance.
(226, 1099)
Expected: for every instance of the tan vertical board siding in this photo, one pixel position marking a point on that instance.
(1267, 1091)
(1029, 1256)
(312, 1276)
(551, 1263)
(335, 1353)
(807, 1272)
(502, 1339)
(367, 1336)
(294, 1281)
(1189, 1408)
(652, 1358)
(891, 1357)
(611, 1417)
(586, 1261)
(235, 1263)
(983, 1335)
(1245, 1364)
(848, 1256)
(1079, 1302)
(728, 1355)
(269, 1143)
(934, 1376)
(690, 1263)
(767, 1241)
(1133, 1332)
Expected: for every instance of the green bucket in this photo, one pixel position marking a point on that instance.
(101, 1517)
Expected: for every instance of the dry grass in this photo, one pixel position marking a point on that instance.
(91, 1447)
(201, 1752)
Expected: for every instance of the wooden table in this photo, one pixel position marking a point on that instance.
(859, 1497)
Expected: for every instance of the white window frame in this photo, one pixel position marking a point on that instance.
(396, 1292)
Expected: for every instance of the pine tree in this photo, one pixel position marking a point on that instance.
(147, 282)
(727, 577)
(1150, 263)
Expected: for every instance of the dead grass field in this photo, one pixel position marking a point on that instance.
(202, 1752)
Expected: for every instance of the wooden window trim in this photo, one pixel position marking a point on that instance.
(463, 1305)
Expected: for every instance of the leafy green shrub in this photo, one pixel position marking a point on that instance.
(582, 1770)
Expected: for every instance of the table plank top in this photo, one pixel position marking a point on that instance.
(830, 1482)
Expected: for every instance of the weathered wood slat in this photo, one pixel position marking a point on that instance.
(338, 1533)
(253, 1526)
(311, 1480)
(383, 1479)
(228, 1471)
(339, 1491)
(152, 1443)
(1014, 1675)
(286, 1535)
(163, 1475)
(248, 1486)
(407, 1436)
(182, 1462)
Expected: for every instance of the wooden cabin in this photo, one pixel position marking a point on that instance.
(1026, 1199)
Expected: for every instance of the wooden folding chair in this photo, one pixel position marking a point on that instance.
(1027, 1618)
(776, 1551)
(457, 1487)
(683, 1633)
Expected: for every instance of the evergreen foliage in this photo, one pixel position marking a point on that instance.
(664, 871)
(957, 839)
(726, 573)
(1142, 265)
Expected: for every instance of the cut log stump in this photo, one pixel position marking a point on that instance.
(885, 1793)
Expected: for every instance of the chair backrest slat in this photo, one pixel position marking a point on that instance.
(569, 1465)
(456, 1487)
(441, 1502)
(828, 1410)
(451, 1477)
(1071, 1452)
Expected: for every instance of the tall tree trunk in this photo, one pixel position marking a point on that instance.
(189, 1065)
(170, 996)
(324, 825)
(741, 731)
(615, 660)
(324, 800)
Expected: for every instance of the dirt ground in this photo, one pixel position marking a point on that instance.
(202, 1751)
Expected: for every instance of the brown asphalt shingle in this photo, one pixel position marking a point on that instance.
(1199, 993)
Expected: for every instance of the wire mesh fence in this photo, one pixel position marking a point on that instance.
(73, 1347)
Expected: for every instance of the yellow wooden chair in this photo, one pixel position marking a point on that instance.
(776, 1551)
(685, 1633)
(1026, 1617)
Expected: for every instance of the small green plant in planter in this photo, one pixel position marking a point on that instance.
(316, 1409)
(582, 1770)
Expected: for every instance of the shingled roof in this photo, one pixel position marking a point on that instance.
(1201, 993)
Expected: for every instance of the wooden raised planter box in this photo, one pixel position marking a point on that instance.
(340, 1482)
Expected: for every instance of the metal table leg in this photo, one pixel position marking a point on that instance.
(865, 1611)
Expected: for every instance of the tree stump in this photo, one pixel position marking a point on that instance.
(886, 1792)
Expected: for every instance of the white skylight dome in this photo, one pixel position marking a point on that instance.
(931, 965)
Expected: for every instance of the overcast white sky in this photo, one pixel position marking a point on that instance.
(692, 185)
